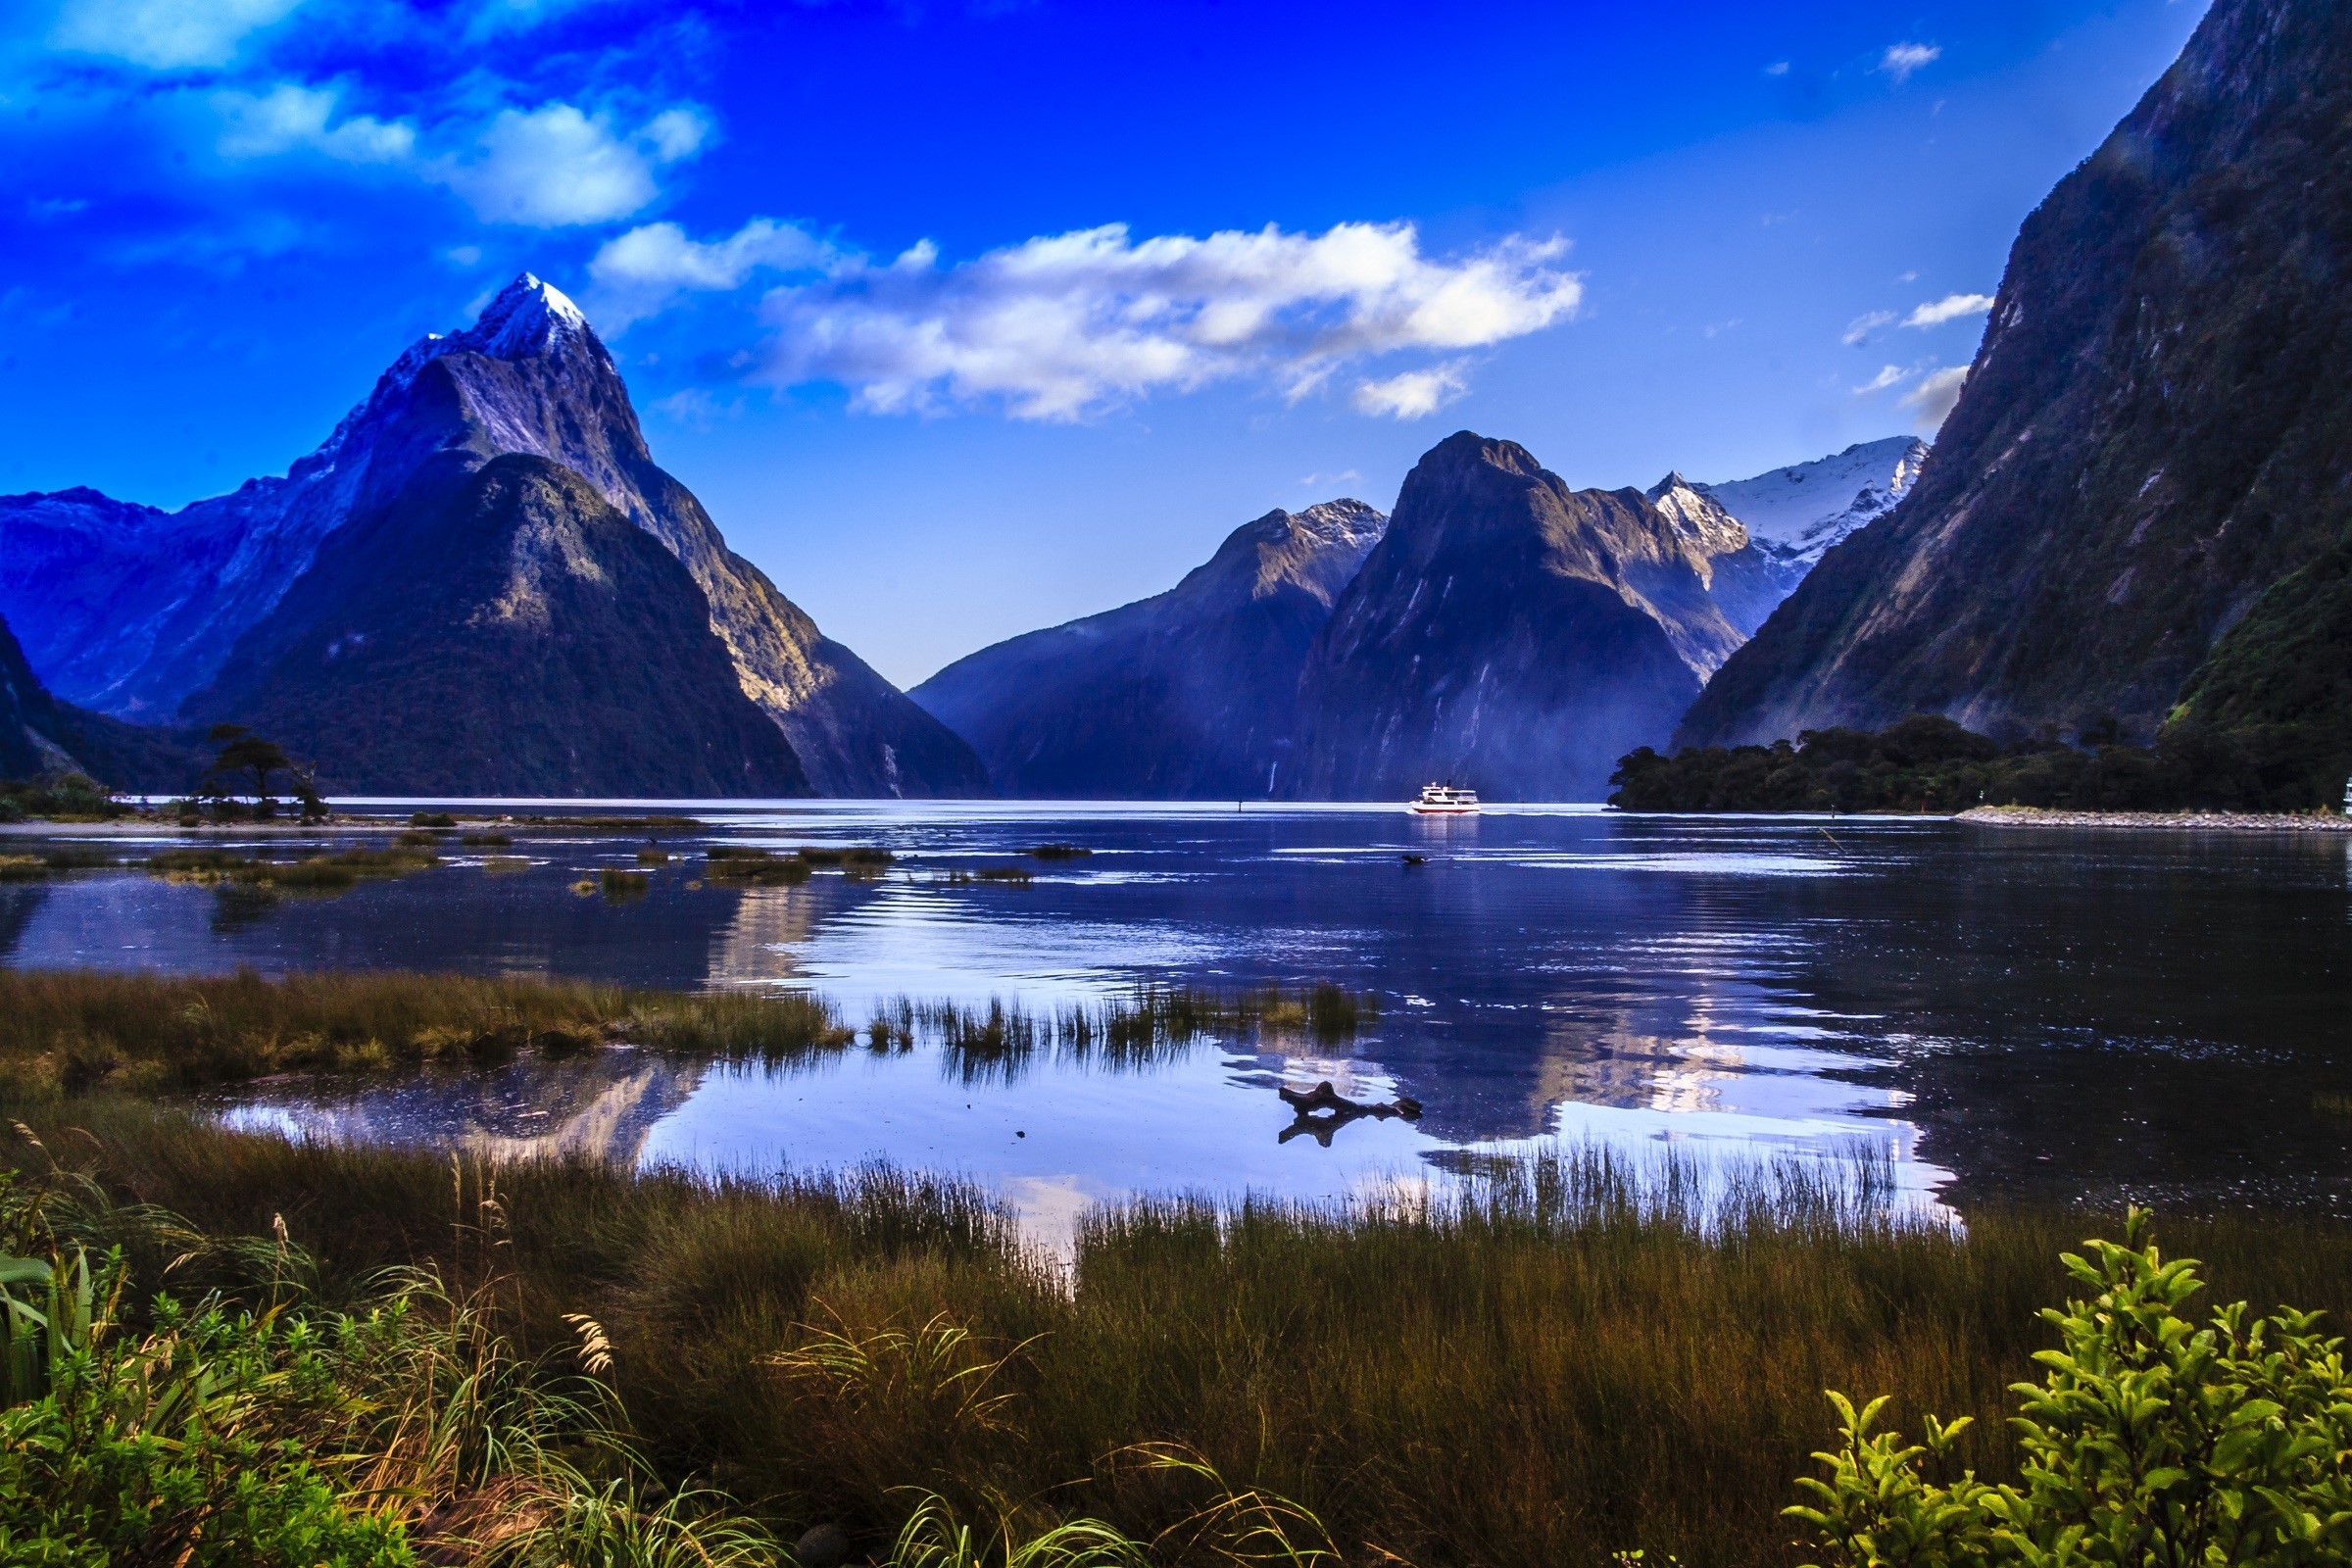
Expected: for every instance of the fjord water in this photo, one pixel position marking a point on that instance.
(1993, 1010)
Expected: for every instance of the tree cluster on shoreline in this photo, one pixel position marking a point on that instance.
(1928, 763)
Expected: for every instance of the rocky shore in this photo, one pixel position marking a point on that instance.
(2196, 822)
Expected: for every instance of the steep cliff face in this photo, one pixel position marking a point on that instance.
(1509, 633)
(554, 648)
(2157, 429)
(529, 377)
(42, 734)
(1191, 694)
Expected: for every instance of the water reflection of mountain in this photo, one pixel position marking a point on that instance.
(601, 1106)
(762, 941)
(18, 902)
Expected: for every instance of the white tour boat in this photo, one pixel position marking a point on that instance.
(1444, 799)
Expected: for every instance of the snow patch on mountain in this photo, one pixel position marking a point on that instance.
(1799, 512)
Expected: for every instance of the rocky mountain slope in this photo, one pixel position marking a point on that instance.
(41, 734)
(2157, 429)
(554, 649)
(134, 611)
(1513, 634)
(1189, 695)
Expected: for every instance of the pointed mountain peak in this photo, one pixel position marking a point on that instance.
(1672, 482)
(527, 317)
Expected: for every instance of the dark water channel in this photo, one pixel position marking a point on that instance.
(1998, 1011)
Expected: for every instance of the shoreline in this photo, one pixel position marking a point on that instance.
(2177, 821)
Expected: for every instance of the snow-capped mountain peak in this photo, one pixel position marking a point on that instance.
(1800, 511)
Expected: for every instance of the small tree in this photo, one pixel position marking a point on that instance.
(241, 751)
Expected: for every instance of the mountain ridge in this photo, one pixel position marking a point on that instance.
(2154, 431)
(528, 376)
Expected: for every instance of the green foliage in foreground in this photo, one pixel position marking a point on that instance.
(2150, 1439)
(1929, 764)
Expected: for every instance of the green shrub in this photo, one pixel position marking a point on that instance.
(2149, 1441)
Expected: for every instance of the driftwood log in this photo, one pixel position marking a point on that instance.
(1323, 1111)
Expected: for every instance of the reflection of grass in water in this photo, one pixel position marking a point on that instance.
(1532, 1367)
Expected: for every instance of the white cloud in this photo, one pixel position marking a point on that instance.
(289, 116)
(1950, 308)
(554, 166)
(1857, 331)
(164, 34)
(638, 273)
(1889, 375)
(1413, 394)
(1902, 59)
(1064, 325)
(1931, 400)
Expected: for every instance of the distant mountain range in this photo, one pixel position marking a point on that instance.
(1502, 629)
(1191, 694)
(2138, 508)
(385, 619)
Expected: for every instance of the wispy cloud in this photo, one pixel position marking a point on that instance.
(556, 165)
(290, 116)
(1778, 67)
(639, 272)
(163, 35)
(1902, 60)
(1062, 325)
(1413, 394)
(1950, 308)
(1858, 331)
(1889, 375)
(1931, 401)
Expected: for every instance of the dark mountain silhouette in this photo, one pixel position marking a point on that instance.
(1191, 694)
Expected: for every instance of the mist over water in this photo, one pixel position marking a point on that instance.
(1990, 1011)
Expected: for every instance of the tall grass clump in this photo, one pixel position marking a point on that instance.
(1545, 1361)
(65, 1033)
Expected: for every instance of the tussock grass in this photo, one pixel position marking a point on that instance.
(1549, 1362)
(316, 873)
(619, 884)
(63, 1032)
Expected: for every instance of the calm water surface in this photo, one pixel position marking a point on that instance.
(1995, 1011)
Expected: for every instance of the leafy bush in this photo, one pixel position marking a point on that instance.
(2148, 1441)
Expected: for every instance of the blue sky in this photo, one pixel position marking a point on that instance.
(965, 318)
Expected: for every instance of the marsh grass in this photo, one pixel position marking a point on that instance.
(65, 1033)
(506, 864)
(1548, 1363)
(486, 841)
(619, 884)
(1060, 852)
(333, 872)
